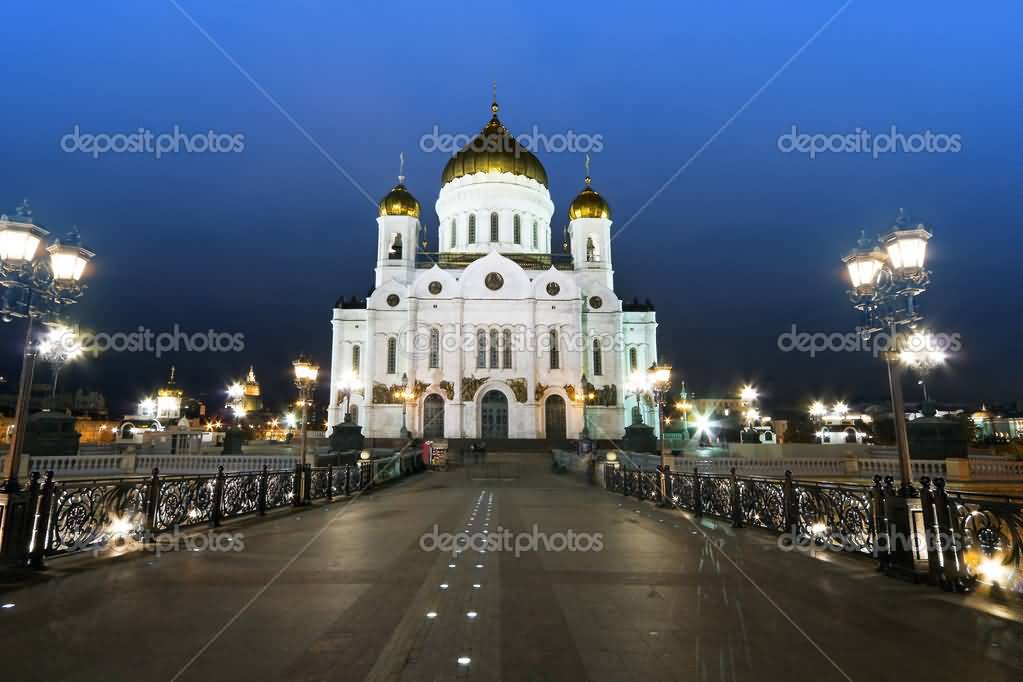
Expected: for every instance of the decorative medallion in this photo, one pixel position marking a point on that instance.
(596, 302)
(392, 300)
(435, 287)
(494, 281)
(553, 288)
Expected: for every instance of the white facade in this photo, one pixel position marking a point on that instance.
(545, 322)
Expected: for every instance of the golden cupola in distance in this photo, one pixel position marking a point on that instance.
(589, 204)
(399, 201)
(494, 150)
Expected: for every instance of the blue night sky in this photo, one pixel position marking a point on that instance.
(742, 245)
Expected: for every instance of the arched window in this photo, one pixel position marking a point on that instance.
(555, 353)
(494, 234)
(434, 348)
(392, 355)
(633, 360)
(506, 348)
(592, 255)
(517, 229)
(454, 233)
(494, 349)
(472, 229)
(536, 234)
(481, 350)
(356, 359)
(598, 359)
(395, 251)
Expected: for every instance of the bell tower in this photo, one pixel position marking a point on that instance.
(398, 232)
(589, 228)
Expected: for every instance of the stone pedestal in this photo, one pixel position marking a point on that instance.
(640, 438)
(233, 441)
(347, 436)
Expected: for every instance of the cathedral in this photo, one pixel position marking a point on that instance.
(501, 333)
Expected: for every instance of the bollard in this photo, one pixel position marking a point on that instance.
(697, 493)
(264, 483)
(41, 535)
(152, 502)
(735, 499)
(791, 504)
(950, 538)
(217, 508)
(296, 491)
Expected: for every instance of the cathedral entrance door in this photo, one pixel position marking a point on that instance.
(494, 416)
(433, 417)
(554, 417)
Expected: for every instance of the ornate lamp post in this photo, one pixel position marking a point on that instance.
(346, 387)
(638, 384)
(305, 382)
(748, 395)
(659, 380)
(34, 288)
(59, 348)
(885, 285)
(817, 413)
(406, 395)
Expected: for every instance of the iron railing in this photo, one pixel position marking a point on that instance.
(957, 540)
(79, 516)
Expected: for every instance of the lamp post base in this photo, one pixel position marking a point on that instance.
(15, 530)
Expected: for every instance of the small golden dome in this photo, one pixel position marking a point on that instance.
(589, 204)
(494, 150)
(399, 202)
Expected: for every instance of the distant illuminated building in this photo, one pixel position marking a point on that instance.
(154, 414)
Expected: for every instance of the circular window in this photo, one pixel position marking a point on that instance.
(435, 287)
(553, 289)
(494, 281)
(392, 300)
(596, 302)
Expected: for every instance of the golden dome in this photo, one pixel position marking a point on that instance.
(589, 204)
(170, 390)
(399, 202)
(494, 150)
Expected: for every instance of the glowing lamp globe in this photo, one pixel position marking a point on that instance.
(864, 267)
(907, 249)
(68, 262)
(19, 242)
(305, 370)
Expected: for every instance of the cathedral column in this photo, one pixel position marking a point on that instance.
(411, 331)
(336, 364)
(532, 377)
(460, 345)
(369, 371)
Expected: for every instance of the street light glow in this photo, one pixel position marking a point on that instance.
(748, 394)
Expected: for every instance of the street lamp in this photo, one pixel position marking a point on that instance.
(348, 384)
(60, 347)
(638, 384)
(405, 395)
(659, 380)
(305, 382)
(748, 396)
(33, 288)
(885, 285)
